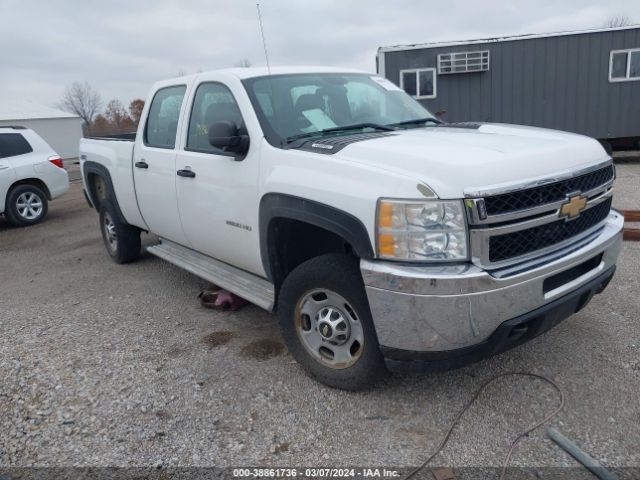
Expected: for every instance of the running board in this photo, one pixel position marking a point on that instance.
(244, 284)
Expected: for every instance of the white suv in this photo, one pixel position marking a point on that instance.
(31, 174)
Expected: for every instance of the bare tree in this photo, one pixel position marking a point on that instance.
(618, 21)
(83, 100)
(244, 63)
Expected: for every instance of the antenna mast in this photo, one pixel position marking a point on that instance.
(264, 42)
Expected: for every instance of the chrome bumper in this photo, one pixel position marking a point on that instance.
(439, 308)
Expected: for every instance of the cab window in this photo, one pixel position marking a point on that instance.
(162, 120)
(213, 103)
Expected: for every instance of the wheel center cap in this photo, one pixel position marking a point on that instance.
(325, 330)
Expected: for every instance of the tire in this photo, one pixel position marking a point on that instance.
(121, 240)
(26, 205)
(326, 323)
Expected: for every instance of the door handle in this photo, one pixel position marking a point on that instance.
(4, 167)
(186, 173)
(142, 164)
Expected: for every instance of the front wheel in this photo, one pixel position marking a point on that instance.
(121, 239)
(326, 323)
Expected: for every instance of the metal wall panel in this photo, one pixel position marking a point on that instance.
(62, 134)
(557, 82)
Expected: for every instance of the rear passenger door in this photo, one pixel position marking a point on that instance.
(154, 164)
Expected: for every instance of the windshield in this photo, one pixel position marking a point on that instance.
(297, 106)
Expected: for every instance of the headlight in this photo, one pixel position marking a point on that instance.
(419, 231)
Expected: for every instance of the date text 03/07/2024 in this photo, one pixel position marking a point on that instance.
(315, 472)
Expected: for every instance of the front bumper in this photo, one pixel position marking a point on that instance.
(436, 312)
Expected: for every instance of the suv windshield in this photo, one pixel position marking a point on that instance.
(303, 106)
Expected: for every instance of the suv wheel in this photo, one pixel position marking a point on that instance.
(326, 323)
(26, 205)
(121, 239)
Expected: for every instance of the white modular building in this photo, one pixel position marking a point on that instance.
(62, 130)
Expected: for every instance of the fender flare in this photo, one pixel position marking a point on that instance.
(343, 224)
(94, 168)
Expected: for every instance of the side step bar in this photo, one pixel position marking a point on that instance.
(244, 284)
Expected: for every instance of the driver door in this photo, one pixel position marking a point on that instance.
(218, 201)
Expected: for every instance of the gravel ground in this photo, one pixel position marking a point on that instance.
(109, 365)
(627, 196)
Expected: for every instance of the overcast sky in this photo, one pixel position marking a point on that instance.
(122, 47)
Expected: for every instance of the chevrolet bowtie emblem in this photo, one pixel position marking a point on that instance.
(573, 206)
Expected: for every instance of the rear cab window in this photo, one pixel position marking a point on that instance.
(13, 144)
(162, 120)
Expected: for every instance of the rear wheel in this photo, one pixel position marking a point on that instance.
(121, 239)
(326, 323)
(26, 205)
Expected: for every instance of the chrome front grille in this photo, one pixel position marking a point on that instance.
(545, 194)
(521, 242)
(512, 226)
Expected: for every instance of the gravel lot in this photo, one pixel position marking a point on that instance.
(109, 365)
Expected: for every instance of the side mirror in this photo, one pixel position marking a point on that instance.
(226, 136)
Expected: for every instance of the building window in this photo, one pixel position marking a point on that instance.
(420, 83)
(463, 62)
(624, 65)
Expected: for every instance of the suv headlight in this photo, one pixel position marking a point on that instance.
(421, 231)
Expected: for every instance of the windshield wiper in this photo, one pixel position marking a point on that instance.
(417, 120)
(345, 128)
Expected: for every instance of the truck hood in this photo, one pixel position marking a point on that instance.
(452, 160)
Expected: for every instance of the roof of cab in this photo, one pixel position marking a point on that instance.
(252, 72)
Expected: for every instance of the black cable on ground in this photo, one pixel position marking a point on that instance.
(518, 438)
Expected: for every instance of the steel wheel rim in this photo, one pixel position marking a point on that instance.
(329, 328)
(110, 234)
(29, 205)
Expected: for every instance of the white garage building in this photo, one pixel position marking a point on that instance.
(61, 130)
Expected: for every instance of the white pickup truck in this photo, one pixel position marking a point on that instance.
(383, 237)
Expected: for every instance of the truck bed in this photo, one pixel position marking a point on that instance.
(131, 137)
(116, 156)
